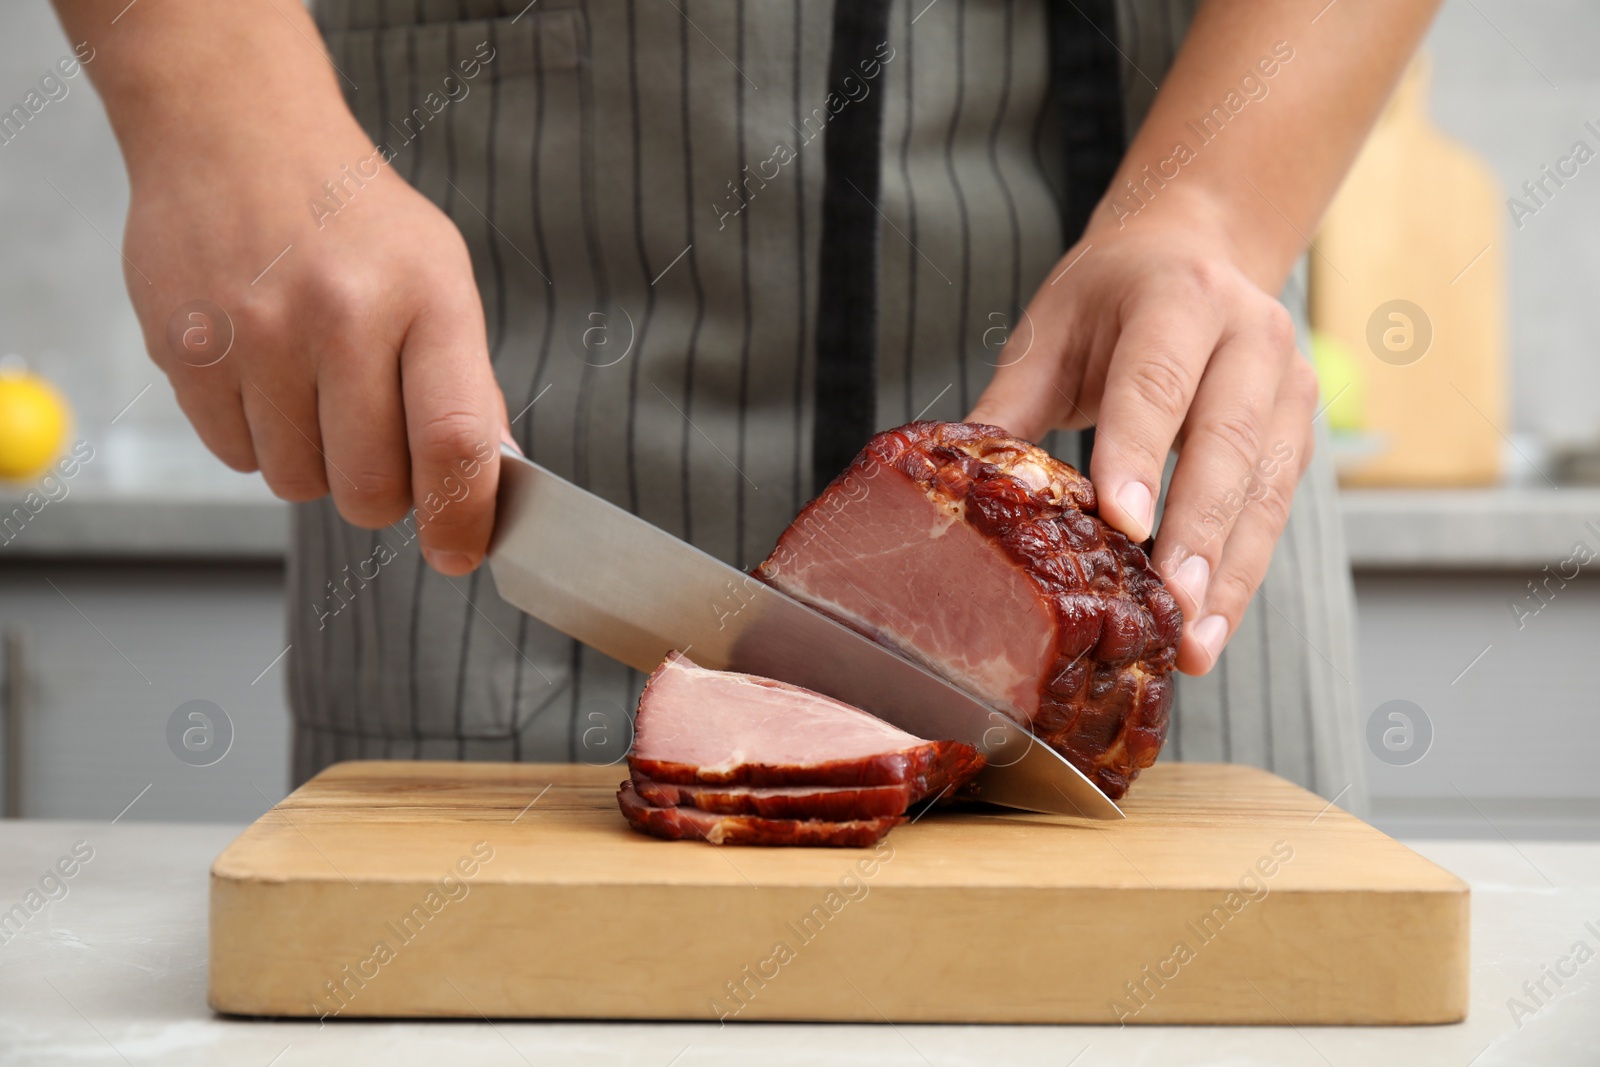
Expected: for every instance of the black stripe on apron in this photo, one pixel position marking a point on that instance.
(1088, 86)
(847, 287)
(1088, 83)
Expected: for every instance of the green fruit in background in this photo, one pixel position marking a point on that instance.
(1339, 377)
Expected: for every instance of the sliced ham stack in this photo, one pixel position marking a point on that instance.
(981, 556)
(739, 760)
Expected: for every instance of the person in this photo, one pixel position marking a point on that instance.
(622, 234)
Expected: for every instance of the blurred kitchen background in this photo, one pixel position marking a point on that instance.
(1456, 347)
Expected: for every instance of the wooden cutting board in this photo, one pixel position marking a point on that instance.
(505, 890)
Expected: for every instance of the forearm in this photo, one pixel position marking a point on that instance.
(213, 82)
(1258, 120)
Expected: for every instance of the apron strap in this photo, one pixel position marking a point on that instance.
(847, 290)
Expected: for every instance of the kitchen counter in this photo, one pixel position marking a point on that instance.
(1468, 529)
(114, 971)
(226, 516)
(113, 525)
(145, 494)
(155, 493)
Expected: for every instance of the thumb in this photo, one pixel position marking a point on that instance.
(1023, 398)
(455, 417)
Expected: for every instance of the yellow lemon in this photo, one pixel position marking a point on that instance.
(33, 425)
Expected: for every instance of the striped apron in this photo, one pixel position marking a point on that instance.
(649, 201)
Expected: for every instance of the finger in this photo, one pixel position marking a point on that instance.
(217, 416)
(1223, 454)
(364, 431)
(454, 418)
(1260, 523)
(1031, 391)
(1155, 370)
(1025, 397)
(286, 437)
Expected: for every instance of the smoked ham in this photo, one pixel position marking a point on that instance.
(734, 759)
(785, 802)
(702, 727)
(680, 823)
(981, 556)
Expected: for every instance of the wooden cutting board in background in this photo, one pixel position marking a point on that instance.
(516, 890)
(1419, 219)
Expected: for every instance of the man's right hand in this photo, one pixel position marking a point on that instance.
(358, 364)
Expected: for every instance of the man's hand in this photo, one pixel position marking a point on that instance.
(358, 363)
(1160, 340)
(1163, 331)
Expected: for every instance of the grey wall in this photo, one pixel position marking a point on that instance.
(1514, 81)
(62, 301)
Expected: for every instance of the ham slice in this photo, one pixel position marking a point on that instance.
(734, 759)
(791, 802)
(678, 823)
(981, 556)
(696, 726)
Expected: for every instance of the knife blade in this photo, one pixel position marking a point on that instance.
(611, 580)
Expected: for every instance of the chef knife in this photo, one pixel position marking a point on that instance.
(606, 577)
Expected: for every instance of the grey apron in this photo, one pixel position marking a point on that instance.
(641, 185)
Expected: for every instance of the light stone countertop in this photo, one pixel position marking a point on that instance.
(115, 972)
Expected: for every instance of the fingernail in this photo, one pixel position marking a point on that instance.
(1211, 632)
(1134, 498)
(450, 564)
(1193, 574)
(506, 438)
